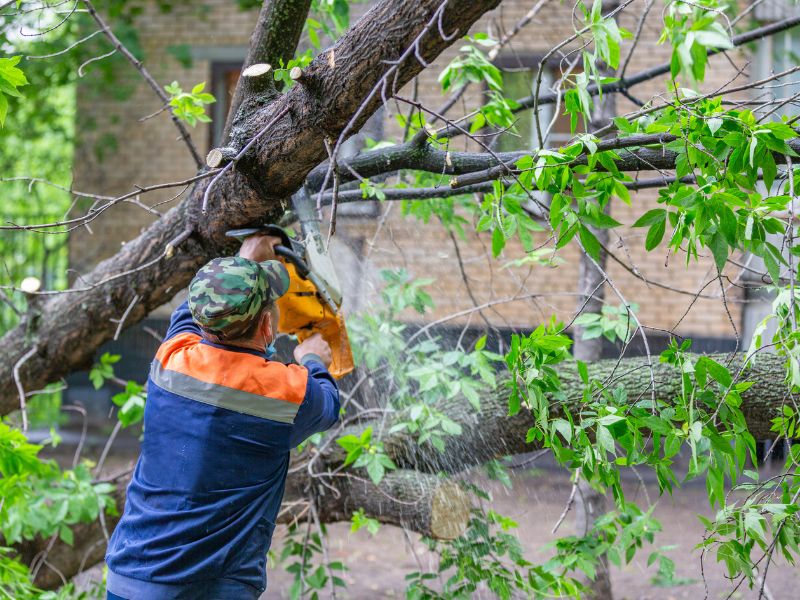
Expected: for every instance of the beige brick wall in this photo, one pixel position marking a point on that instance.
(149, 152)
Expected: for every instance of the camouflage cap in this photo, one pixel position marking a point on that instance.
(228, 293)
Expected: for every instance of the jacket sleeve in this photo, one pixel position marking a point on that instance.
(320, 408)
(181, 322)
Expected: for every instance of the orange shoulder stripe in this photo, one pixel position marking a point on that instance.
(238, 370)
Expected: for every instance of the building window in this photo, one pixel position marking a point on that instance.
(225, 76)
(775, 54)
(519, 81)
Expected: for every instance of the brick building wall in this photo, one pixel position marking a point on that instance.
(150, 152)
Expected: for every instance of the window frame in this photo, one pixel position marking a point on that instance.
(219, 110)
(510, 62)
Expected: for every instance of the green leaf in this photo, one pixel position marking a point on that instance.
(583, 371)
(589, 242)
(717, 371)
(375, 471)
(564, 428)
(498, 241)
(66, 535)
(719, 248)
(651, 217)
(655, 235)
(481, 343)
(714, 124)
(605, 439)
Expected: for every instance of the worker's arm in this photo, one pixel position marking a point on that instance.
(181, 322)
(320, 408)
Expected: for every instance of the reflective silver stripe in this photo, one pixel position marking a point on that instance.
(223, 397)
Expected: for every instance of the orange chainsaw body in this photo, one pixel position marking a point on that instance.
(303, 313)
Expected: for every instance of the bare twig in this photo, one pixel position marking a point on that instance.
(20, 389)
(563, 516)
(121, 321)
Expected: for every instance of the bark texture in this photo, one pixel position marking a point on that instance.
(66, 329)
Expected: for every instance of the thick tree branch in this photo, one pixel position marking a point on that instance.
(420, 502)
(641, 152)
(490, 433)
(70, 327)
(274, 40)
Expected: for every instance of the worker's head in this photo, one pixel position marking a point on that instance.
(233, 300)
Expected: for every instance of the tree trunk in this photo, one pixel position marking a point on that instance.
(274, 40)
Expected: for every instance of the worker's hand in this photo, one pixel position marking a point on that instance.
(259, 247)
(314, 345)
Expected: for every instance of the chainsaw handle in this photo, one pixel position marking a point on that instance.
(294, 258)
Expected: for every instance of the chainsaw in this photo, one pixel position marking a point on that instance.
(312, 304)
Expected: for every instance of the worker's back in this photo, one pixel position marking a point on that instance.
(219, 425)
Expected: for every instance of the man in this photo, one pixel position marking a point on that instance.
(220, 421)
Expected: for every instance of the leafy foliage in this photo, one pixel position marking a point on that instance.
(39, 499)
(489, 555)
(130, 401)
(11, 79)
(472, 65)
(693, 29)
(311, 573)
(418, 375)
(361, 520)
(189, 106)
(363, 453)
(614, 323)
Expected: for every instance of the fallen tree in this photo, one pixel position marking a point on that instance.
(423, 495)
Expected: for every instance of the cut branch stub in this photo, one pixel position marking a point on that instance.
(420, 502)
(219, 157)
(257, 70)
(296, 74)
(256, 87)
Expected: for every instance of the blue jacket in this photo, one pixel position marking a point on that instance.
(219, 424)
